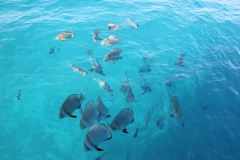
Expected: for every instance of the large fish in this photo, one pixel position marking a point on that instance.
(63, 36)
(102, 109)
(113, 55)
(133, 25)
(89, 115)
(103, 85)
(77, 69)
(122, 120)
(96, 67)
(95, 136)
(72, 103)
(109, 41)
(177, 113)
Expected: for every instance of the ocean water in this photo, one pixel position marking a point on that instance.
(207, 32)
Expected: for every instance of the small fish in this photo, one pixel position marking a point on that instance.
(190, 154)
(147, 117)
(100, 157)
(160, 122)
(204, 108)
(19, 94)
(126, 89)
(63, 36)
(90, 52)
(145, 68)
(96, 67)
(96, 36)
(136, 132)
(52, 51)
(133, 25)
(113, 27)
(180, 60)
(77, 69)
(103, 85)
(146, 87)
(170, 84)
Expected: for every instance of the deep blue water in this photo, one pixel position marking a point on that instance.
(207, 32)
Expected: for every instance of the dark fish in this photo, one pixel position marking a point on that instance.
(145, 68)
(204, 108)
(136, 132)
(180, 60)
(146, 87)
(160, 122)
(52, 50)
(96, 35)
(127, 90)
(19, 94)
(90, 52)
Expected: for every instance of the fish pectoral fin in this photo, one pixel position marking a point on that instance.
(63, 39)
(112, 61)
(99, 149)
(120, 57)
(109, 137)
(71, 115)
(108, 116)
(173, 115)
(125, 130)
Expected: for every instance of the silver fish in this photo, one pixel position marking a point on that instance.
(102, 109)
(89, 115)
(95, 136)
(133, 25)
(177, 113)
(126, 89)
(113, 55)
(63, 36)
(122, 120)
(111, 40)
(72, 103)
(113, 27)
(96, 67)
(103, 85)
(77, 69)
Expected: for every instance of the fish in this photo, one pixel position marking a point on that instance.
(136, 132)
(52, 51)
(160, 122)
(90, 52)
(133, 25)
(89, 115)
(103, 85)
(96, 35)
(96, 67)
(170, 84)
(149, 113)
(77, 69)
(72, 102)
(19, 94)
(146, 87)
(97, 134)
(145, 68)
(204, 108)
(180, 60)
(63, 36)
(190, 154)
(177, 113)
(122, 120)
(100, 157)
(111, 40)
(113, 55)
(113, 27)
(126, 89)
(102, 109)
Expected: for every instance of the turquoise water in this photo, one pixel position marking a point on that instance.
(208, 32)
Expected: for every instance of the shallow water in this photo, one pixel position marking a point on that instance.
(206, 31)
